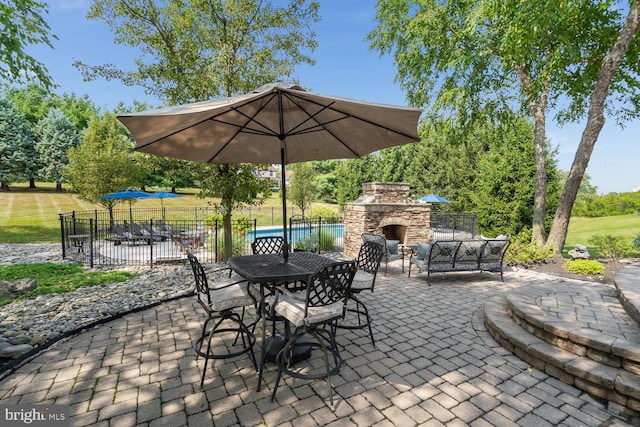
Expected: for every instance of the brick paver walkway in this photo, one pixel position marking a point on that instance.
(433, 364)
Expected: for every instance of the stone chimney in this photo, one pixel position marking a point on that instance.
(384, 208)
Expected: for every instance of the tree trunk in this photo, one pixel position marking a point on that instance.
(58, 186)
(4, 186)
(32, 183)
(228, 235)
(540, 195)
(595, 122)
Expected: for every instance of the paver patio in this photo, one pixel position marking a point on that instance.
(434, 364)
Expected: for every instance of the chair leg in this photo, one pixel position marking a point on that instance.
(360, 310)
(248, 341)
(366, 314)
(324, 339)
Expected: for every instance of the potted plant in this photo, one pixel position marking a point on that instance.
(427, 235)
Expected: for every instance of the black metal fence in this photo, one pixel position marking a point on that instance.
(94, 238)
(453, 225)
(265, 215)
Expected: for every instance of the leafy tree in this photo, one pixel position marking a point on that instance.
(302, 188)
(16, 145)
(102, 163)
(33, 100)
(463, 56)
(22, 25)
(394, 162)
(193, 51)
(487, 168)
(213, 180)
(79, 110)
(351, 175)
(56, 136)
(326, 179)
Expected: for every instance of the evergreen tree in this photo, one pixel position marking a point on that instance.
(56, 136)
(17, 157)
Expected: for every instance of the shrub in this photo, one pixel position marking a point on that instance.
(610, 247)
(584, 266)
(522, 251)
(238, 245)
(316, 241)
(636, 242)
(323, 212)
(325, 240)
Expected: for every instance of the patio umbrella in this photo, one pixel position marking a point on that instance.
(432, 198)
(163, 195)
(277, 123)
(128, 194)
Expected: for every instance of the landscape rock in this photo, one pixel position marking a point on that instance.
(16, 288)
(32, 322)
(13, 351)
(579, 252)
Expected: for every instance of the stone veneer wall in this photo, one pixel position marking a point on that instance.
(384, 204)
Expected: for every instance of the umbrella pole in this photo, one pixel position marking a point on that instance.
(283, 183)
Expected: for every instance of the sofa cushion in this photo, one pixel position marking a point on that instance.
(392, 246)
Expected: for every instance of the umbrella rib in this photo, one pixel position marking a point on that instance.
(243, 127)
(330, 106)
(215, 118)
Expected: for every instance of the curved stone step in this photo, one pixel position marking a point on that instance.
(607, 382)
(627, 282)
(584, 319)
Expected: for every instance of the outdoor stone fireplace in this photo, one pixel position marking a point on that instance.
(384, 208)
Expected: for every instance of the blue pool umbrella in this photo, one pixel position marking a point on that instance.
(128, 194)
(432, 198)
(163, 195)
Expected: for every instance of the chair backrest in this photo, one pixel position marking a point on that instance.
(202, 286)
(136, 229)
(370, 256)
(382, 240)
(267, 245)
(330, 285)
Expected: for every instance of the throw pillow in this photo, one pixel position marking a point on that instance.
(423, 249)
(392, 246)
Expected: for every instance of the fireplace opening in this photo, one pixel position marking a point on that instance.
(395, 232)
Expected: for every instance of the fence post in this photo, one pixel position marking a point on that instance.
(62, 234)
(215, 245)
(151, 243)
(91, 242)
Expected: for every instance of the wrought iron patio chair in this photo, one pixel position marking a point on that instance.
(310, 311)
(391, 252)
(267, 245)
(368, 262)
(224, 302)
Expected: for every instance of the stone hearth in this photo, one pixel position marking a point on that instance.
(384, 208)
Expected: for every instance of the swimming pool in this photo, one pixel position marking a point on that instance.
(298, 233)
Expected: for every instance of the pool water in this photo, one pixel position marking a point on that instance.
(296, 233)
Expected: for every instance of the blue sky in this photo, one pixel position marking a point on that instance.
(344, 66)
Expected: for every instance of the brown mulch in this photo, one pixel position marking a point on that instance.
(555, 266)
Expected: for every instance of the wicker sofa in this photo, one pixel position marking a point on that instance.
(459, 255)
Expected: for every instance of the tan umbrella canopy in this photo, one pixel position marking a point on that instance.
(277, 123)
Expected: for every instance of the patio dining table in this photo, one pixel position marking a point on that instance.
(271, 271)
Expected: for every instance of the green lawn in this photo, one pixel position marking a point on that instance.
(581, 229)
(31, 215)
